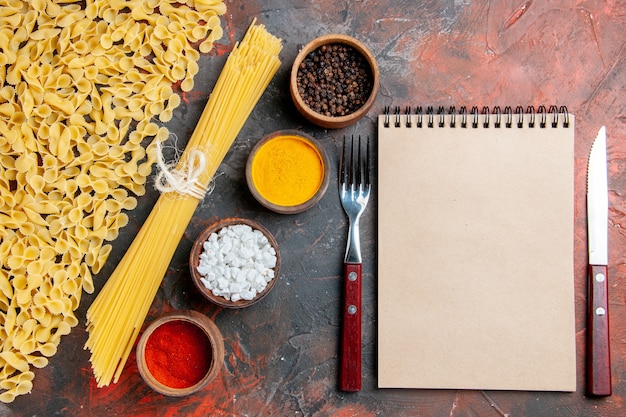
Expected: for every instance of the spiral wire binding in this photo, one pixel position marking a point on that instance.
(474, 116)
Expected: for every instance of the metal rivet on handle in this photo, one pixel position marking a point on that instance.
(600, 278)
(600, 311)
(352, 309)
(352, 276)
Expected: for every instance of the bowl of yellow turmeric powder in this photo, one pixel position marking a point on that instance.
(288, 171)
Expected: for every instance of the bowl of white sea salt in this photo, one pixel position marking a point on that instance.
(234, 263)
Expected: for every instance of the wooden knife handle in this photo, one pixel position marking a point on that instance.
(598, 352)
(350, 371)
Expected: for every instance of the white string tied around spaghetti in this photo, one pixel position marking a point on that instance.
(185, 180)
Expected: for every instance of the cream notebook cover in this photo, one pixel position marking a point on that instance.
(475, 253)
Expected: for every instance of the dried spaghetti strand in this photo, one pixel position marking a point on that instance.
(117, 314)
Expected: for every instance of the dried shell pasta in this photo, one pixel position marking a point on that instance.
(80, 83)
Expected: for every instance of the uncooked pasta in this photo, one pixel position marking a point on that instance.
(116, 316)
(82, 85)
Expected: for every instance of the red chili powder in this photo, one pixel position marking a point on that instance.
(178, 354)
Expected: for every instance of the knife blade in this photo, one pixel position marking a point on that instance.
(598, 350)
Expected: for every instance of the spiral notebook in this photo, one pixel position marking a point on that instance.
(475, 252)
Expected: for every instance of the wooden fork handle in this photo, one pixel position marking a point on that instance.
(598, 352)
(350, 372)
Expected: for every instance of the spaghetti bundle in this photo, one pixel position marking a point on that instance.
(117, 314)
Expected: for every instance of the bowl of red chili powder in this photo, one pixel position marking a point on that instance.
(334, 81)
(180, 353)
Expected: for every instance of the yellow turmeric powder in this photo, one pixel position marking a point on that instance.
(287, 170)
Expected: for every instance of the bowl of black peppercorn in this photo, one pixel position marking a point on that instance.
(334, 81)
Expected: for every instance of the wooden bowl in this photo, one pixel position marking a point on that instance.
(279, 202)
(215, 344)
(197, 249)
(333, 122)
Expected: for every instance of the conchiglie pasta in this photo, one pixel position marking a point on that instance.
(80, 84)
(37, 361)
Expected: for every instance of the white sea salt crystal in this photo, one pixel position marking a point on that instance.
(241, 275)
(237, 262)
(246, 253)
(204, 269)
(220, 293)
(248, 294)
(269, 260)
(222, 283)
(235, 287)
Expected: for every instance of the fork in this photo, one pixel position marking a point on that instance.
(354, 191)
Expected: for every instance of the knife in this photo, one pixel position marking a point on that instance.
(598, 352)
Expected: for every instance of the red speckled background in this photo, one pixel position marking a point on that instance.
(282, 353)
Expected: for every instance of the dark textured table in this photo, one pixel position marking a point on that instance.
(282, 353)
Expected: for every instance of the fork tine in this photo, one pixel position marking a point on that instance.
(367, 162)
(352, 166)
(358, 166)
(362, 164)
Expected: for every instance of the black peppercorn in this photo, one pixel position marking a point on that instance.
(335, 80)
